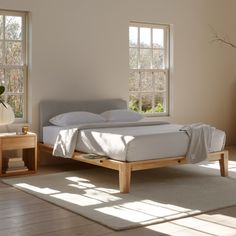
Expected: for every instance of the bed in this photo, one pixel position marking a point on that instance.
(145, 143)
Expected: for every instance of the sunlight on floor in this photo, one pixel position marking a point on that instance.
(76, 179)
(204, 224)
(82, 193)
(144, 210)
(76, 199)
(82, 185)
(37, 189)
(141, 211)
(101, 196)
(215, 165)
(88, 195)
(108, 190)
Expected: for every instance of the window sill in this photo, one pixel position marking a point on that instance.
(157, 118)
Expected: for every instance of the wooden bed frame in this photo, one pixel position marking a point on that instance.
(49, 109)
(125, 168)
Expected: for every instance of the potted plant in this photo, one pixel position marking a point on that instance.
(7, 115)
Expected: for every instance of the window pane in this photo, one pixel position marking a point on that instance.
(159, 105)
(1, 27)
(134, 81)
(133, 58)
(133, 36)
(160, 86)
(12, 59)
(145, 60)
(14, 53)
(16, 102)
(160, 82)
(13, 27)
(15, 80)
(158, 59)
(146, 82)
(134, 102)
(158, 38)
(149, 61)
(1, 52)
(146, 101)
(2, 81)
(145, 37)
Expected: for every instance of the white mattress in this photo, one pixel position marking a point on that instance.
(134, 143)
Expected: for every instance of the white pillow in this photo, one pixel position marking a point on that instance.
(76, 118)
(122, 115)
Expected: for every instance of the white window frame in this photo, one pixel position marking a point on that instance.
(165, 70)
(24, 66)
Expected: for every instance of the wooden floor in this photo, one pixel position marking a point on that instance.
(23, 214)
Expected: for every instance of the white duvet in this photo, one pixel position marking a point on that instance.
(137, 141)
(66, 139)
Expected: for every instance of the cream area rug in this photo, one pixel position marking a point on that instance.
(156, 195)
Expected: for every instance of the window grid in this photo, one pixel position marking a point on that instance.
(164, 71)
(17, 99)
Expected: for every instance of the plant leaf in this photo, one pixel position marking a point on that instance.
(2, 89)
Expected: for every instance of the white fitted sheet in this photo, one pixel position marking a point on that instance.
(134, 143)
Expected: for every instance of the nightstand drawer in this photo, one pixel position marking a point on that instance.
(9, 143)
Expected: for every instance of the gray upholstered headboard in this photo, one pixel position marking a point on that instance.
(49, 108)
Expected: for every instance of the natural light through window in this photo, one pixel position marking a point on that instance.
(105, 141)
(144, 211)
(149, 62)
(204, 224)
(37, 189)
(215, 165)
(141, 211)
(13, 60)
(80, 193)
(76, 199)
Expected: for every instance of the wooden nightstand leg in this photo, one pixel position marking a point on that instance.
(36, 157)
(38, 154)
(1, 166)
(29, 157)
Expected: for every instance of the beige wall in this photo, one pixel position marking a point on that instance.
(79, 50)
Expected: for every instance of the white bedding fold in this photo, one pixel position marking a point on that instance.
(200, 141)
(65, 143)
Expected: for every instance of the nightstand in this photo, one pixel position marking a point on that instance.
(25, 142)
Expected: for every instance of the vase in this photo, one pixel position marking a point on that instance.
(7, 115)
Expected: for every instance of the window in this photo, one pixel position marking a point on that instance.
(13, 69)
(149, 68)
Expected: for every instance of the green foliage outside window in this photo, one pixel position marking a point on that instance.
(134, 106)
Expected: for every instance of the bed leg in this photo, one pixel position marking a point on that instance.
(38, 155)
(224, 164)
(124, 177)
